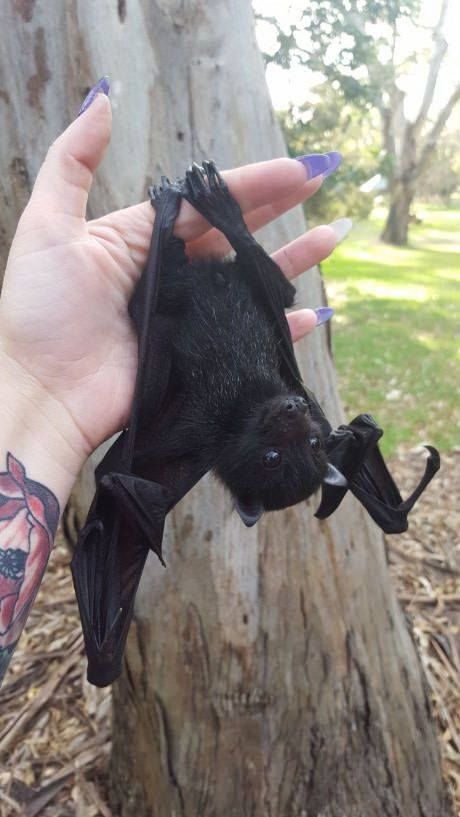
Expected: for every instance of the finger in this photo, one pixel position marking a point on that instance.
(214, 243)
(253, 186)
(258, 184)
(301, 323)
(65, 178)
(304, 252)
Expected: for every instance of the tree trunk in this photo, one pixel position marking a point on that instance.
(402, 140)
(397, 224)
(400, 135)
(270, 671)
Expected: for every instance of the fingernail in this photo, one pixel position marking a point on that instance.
(101, 87)
(314, 164)
(334, 161)
(341, 227)
(323, 314)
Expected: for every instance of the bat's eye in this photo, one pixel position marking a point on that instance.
(315, 443)
(272, 459)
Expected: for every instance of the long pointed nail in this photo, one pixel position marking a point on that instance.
(102, 87)
(335, 159)
(341, 227)
(314, 164)
(323, 314)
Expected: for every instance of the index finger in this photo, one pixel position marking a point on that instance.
(252, 185)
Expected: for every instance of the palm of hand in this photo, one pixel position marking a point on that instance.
(65, 322)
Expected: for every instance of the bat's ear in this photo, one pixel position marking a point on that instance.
(249, 511)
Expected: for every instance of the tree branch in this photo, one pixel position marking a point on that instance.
(439, 51)
(436, 130)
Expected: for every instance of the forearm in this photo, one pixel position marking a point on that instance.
(37, 471)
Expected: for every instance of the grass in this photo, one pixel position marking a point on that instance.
(396, 328)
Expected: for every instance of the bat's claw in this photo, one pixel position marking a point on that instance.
(195, 179)
(206, 190)
(215, 180)
(156, 191)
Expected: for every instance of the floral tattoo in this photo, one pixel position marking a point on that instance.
(29, 514)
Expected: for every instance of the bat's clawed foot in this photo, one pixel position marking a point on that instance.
(215, 180)
(207, 191)
(196, 182)
(158, 190)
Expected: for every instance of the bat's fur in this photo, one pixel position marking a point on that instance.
(235, 406)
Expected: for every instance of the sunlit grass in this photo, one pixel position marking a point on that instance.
(396, 337)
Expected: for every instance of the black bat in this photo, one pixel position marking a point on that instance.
(218, 388)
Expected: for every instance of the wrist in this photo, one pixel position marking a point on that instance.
(38, 431)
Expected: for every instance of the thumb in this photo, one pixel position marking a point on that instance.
(65, 177)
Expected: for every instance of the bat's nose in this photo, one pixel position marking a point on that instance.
(293, 406)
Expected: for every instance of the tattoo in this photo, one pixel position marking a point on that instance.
(29, 515)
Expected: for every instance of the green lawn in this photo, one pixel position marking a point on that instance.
(396, 328)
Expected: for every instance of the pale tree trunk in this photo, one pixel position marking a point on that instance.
(271, 671)
(400, 143)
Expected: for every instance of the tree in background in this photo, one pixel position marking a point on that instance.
(356, 46)
(331, 120)
(270, 671)
(445, 182)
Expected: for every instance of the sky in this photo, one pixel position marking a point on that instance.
(294, 86)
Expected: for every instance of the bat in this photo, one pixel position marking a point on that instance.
(218, 389)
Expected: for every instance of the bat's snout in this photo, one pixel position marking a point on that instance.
(293, 406)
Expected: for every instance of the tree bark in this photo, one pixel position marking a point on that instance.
(396, 228)
(270, 671)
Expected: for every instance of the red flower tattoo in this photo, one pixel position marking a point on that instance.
(29, 514)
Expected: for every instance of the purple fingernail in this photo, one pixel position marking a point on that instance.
(101, 87)
(323, 314)
(334, 161)
(315, 163)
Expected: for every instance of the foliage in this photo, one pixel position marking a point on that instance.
(334, 124)
(350, 42)
(358, 47)
(397, 316)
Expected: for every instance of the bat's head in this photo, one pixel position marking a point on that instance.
(275, 458)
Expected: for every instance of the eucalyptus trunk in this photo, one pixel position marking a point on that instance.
(396, 230)
(268, 671)
(401, 143)
(410, 144)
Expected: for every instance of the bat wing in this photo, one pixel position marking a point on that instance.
(353, 449)
(127, 516)
(126, 520)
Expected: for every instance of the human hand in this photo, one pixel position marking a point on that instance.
(67, 344)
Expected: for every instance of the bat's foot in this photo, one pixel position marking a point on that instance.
(174, 251)
(207, 191)
(157, 191)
